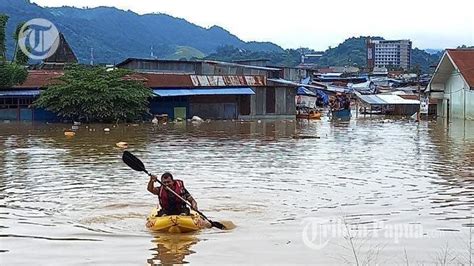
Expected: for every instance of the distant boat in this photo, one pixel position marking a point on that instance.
(312, 115)
(343, 114)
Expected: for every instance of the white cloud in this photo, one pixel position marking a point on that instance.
(316, 24)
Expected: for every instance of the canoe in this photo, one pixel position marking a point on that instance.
(311, 115)
(174, 223)
(343, 114)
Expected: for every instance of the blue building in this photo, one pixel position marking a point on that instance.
(16, 103)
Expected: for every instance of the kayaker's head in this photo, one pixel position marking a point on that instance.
(167, 179)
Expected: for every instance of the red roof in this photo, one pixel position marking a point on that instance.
(39, 79)
(43, 78)
(464, 60)
(164, 80)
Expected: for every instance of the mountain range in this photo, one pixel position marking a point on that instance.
(115, 34)
(110, 35)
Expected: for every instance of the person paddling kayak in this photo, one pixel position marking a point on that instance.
(170, 204)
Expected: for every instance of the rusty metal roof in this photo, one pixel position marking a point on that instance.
(209, 81)
(163, 80)
(155, 80)
(44, 78)
(464, 61)
(40, 79)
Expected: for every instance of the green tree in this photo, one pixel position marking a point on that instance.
(3, 47)
(94, 94)
(10, 73)
(20, 57)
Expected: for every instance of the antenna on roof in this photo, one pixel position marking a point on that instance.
(152, 54)
(92, 56)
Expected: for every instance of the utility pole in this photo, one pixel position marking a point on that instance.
(418, 117)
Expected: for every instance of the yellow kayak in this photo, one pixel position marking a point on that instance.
(175, 223)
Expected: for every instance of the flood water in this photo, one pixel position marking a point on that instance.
(373, 191)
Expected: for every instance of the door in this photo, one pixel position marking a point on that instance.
(230, 111)
(180, 112)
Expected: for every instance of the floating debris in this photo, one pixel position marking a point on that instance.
(305, 137)
(69, 134)
(122, 144)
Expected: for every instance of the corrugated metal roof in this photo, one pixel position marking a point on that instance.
(298, 84)
(210, 91)
(395, 99)
(211, 62)
(153, 80)
(464, 60)
(214, 80)
(40, 79)
(372, 99)
(386, 99)
(305, 91)
(19, 93)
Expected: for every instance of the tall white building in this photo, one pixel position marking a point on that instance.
(384, 53)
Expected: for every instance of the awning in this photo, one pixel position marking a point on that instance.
(19, 93)
(386, 99)
(201, 91)
(305, 91)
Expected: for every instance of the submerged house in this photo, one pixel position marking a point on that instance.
(216, 90)
(16, 103)
(213, 97)
(452, 84)
(386, 104)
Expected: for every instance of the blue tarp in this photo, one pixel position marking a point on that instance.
(314, 93)
(19, 93)
(305, 91)
(203, 91)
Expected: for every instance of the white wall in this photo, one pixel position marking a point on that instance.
(461, 98)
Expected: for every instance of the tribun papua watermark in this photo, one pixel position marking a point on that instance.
(318, 232)
(38, 38)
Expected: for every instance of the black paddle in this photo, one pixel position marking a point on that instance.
(138, 165)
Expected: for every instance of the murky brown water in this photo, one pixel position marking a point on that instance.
(71, 201)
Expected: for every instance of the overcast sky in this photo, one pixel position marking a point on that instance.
(316, 24)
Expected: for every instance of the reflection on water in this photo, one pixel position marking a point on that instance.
(73, 199)
(172, 249)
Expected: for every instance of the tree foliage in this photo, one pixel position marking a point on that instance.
(10, 73)
(116, 34)
(229, 53)
(20, 57)
(94, 94)
(3, 45)
(351, 52)
(423, 61)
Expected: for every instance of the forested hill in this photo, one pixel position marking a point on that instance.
(115, 34)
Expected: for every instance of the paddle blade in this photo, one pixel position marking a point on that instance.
(218, 225)
(133, 162)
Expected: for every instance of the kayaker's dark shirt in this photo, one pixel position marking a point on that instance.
(175, 205)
